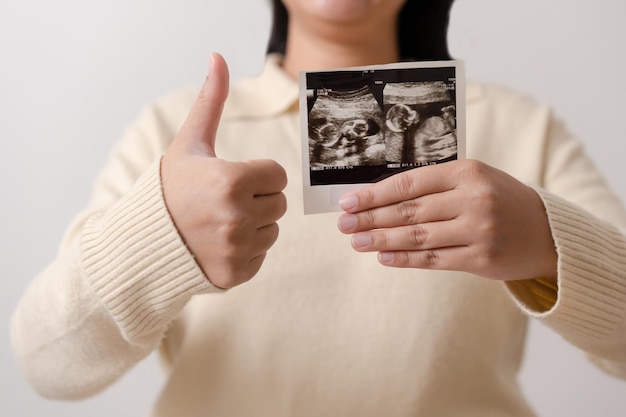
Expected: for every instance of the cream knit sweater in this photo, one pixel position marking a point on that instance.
(321, 330)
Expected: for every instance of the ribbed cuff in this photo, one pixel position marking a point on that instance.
(591, 263)
(137, 262)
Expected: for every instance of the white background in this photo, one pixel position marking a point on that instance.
(75, 73)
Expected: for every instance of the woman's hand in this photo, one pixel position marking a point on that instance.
(462, 215)
(226, 212)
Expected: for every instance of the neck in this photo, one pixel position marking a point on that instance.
(328, 46)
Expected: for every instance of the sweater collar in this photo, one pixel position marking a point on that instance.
(269, 94)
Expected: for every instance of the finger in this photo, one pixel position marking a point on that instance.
(269, 208)
(264, 176)
(200, 127)
(424, 209)
(450, 259)
(265, 238)
(405, 185)
(225, 279)
(415, 237)
(253, 267)
(241, 267)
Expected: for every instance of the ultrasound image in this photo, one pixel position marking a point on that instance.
(345, 129)
(366, 125)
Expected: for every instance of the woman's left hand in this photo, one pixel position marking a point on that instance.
(462, 215)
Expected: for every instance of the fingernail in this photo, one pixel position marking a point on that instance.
(346, 222)
(348, 202)
(361, 240)
(386, 258)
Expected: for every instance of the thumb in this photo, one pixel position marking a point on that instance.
(200, 127)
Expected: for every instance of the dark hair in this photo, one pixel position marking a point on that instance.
(422, 29)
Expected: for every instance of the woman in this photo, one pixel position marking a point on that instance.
(323, 329)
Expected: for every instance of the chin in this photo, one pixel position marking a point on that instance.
(346, 11)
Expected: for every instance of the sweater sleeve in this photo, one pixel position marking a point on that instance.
(587, 305)
(121, 275)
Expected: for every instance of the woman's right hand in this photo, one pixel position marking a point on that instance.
(226, 212)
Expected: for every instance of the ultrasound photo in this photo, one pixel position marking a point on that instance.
(360, 125)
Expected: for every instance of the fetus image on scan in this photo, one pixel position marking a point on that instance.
(345, 130)
(355, 143)
(420, 122)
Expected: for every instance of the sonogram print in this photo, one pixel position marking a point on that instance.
(420, 122)
(364, 124)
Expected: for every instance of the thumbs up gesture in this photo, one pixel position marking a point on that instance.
(226, 212)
